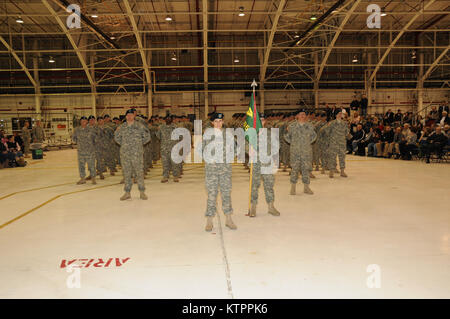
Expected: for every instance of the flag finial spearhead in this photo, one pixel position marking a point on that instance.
(254, 84)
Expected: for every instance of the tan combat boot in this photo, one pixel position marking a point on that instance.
(229, 222)
(209, 223)
(323, 170)
(88, 178)
(112, 173)
(311, 175)
(143, 196)
(331, 175)
(272, 210)
(252, 212)
(176, 180)
(94, 182)
(307, 190)
(164, 180)
(125, 196)
(343, 173)
(101, 176)
(81, 181)
(293, 186)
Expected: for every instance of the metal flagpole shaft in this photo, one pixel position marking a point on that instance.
(250, 151)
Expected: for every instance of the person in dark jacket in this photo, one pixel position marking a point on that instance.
(398, 116)
(435, 143)
(387, 137)
(358, 138)
(389, 117)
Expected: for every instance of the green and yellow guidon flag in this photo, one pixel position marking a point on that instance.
(252, 121)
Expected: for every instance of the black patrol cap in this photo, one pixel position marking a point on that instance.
(217, 116)
(115, 118)
(133, 110)
(91, 117)
(83, 118)
(99, 118)
(130, 111)
(106, 116)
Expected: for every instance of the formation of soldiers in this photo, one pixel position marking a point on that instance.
(307, 141)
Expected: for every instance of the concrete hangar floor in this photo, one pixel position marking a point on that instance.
(384, 232)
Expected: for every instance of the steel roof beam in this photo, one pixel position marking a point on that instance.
(399, 35)
(71, 40)
(281, 5)
(336, 36)
(17, 58)
(138, 40)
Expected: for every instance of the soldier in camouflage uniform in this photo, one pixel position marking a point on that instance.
(26, 137)
(282, 125)
(38, 133)
(257, 174)
(338, 131)
(110, 128)
(132, 136)
(164, 135)
(98, 156)
(318, 124)
(218, 176)
(104, 145)
(85, 136)
(300, 135)
(323, 144)
(155, 141)
(116, 149)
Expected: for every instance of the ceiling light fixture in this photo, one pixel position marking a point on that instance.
(51, 60)
(236, 60)
(313, 18)
(174, 57)
(383, 12)
(19, 20)
(355, 59)
(168, 18)
(296, 35)
(241, 12)
(94, 13)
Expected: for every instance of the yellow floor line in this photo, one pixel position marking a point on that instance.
(34, 189)
(51, 186)
(70, 193)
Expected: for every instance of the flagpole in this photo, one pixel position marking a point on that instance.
(250, 148)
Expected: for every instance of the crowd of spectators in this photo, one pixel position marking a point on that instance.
(11, 154)
(400, 135)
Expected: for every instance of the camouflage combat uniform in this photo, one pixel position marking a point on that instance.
(300, 137)
(107, 145)
(338, 131)
(38, 134)
(26, 137)
(316, 147)
(85, 138)
(257, 175)
(131, 138)
(322, 145)
(218, 177)
(164, 136)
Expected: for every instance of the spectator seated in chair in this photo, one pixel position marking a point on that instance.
(408, 144)
(436, 143)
